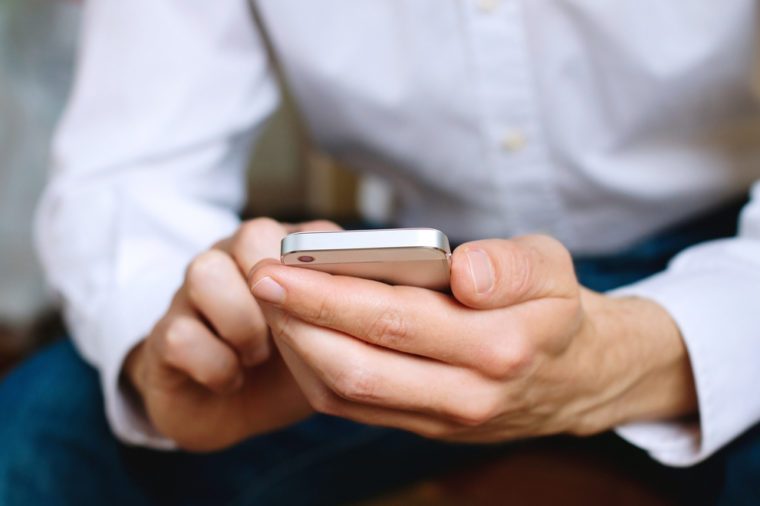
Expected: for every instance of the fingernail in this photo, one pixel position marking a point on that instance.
(481, 270)
(268, 290)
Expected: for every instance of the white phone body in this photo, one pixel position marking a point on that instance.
(407, 256)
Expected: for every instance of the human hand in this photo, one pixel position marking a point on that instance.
(207, 374)
(520, 350)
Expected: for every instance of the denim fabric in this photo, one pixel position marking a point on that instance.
(56, 448)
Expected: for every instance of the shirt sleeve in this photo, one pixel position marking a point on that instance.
(148, 170)
(713, 293)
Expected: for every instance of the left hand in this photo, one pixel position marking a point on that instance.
(520, 350)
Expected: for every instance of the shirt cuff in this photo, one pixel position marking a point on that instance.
(716, 310)
(128, 319)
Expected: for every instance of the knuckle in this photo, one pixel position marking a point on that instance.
(324, 402)
(206, 267)
(256, 225)
(586, 428)
(254, 230)
(549, 254)
(255, 353)
(508, 359)
(218, 378)
(476, 413)
(281, 327)
(176, 335)
(356, 383)
(324, 312)
(434, 431)
(325, 225)
(388, 329)
(553, 247)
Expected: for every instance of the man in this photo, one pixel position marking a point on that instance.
(606, 127)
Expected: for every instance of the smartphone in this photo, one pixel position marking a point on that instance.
(406, 256)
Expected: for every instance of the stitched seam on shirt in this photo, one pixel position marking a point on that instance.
(481, 118)
(567, 227)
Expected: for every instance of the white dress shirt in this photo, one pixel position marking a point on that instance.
(597, 122)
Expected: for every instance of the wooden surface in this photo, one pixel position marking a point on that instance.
(532, 477)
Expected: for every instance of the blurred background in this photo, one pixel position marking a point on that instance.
(37, 40)
(37, 53)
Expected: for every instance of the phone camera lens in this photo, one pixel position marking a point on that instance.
(306, 259)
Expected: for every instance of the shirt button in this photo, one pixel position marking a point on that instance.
(488, 6)
(513, 141)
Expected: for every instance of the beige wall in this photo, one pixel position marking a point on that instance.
(289, 178)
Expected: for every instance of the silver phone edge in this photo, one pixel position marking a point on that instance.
(415, 238)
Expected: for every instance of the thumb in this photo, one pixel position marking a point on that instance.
(499, 273)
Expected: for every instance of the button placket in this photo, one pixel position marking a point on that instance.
(510, 117)
(513, 140)
(488, 6)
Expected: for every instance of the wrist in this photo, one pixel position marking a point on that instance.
(646, 368)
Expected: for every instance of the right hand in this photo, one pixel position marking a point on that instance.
(208, 375)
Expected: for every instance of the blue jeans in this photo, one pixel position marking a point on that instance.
(56, 448)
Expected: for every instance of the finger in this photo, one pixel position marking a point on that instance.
(256, 240)
(218, 291)
(501, 273)
(372, 376)
(187, 345)
(410, 320)
(315, 226)
(324, 401)
(223, 300)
